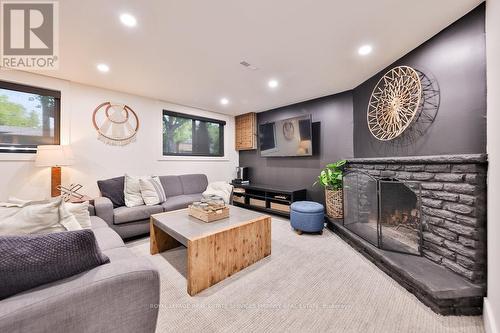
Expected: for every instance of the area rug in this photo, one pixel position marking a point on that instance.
(310, 283)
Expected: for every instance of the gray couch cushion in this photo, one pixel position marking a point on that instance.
(180, 201)
(118, 253)
(107, 239)
(97, 222)
(172, 185)
(196, 183)
(131, 214)
(31, 260)
(113, 190)
(115, 297)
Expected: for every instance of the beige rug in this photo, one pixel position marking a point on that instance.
(310, 283)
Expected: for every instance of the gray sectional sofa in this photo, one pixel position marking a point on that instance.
(133, 221)
(116, 297)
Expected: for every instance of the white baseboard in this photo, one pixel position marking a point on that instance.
(488, 318)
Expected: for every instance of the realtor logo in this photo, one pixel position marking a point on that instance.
(30, 35)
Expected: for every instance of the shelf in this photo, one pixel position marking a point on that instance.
(267, 194)
(256, 196)
(280, 200)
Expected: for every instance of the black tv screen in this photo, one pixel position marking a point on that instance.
(286, 137)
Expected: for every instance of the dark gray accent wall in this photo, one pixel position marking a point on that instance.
(456, 59)
(332, 140)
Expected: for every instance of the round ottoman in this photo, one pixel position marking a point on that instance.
(307, 216)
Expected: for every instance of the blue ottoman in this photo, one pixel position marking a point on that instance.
(307, 216)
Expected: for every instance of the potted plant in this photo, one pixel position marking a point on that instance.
(331, 179)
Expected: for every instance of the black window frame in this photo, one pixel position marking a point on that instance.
(32, 149)
(194, 118)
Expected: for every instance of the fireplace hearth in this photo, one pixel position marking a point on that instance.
(422, 221)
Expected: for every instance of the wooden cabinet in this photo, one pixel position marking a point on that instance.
(246, 131)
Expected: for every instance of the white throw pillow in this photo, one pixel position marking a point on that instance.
(132, 191)
(152, 191)
(37, 218)
(81, 213)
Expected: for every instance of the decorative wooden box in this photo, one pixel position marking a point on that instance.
(208, 215)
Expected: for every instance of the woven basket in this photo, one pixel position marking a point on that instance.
(333, 200)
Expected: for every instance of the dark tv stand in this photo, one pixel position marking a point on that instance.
(267, 198)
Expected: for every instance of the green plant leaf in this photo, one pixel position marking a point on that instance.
(331, 175)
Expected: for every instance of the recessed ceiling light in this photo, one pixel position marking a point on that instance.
(224, 101)
(103, 68)
(365, 50)
(128, 20)
(273, 83)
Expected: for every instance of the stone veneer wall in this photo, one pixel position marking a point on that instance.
(453, 206)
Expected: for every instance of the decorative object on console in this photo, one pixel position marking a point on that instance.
(394, 103)
(116, 124)
(54, 156)
(241, 175)
(331, 179)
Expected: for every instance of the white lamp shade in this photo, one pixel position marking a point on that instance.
(53, 155)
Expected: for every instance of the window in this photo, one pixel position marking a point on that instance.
(29, 117)
(187, 135)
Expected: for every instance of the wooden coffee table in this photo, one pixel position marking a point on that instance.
(215, 250)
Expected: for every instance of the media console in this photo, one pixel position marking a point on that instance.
(267, 198)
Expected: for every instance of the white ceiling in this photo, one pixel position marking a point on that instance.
(188, 51)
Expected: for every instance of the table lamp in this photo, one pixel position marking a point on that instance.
(54, 156)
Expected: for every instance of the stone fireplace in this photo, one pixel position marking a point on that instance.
(423, 221)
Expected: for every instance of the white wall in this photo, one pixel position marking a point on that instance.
(95, 160)
(492, 302)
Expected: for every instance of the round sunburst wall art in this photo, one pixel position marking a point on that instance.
(116, 124)
(394, 103)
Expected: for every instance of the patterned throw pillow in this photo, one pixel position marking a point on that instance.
(152, 191)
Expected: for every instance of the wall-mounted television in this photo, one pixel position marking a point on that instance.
(286, 137)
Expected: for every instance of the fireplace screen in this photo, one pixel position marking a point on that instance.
(384, 212)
